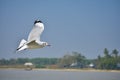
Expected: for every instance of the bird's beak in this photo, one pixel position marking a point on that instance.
(48, 45)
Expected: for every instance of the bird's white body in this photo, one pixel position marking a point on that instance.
(33, 41)
(36, 32)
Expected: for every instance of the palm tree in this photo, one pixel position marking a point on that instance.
(106, 53)
(115, 53)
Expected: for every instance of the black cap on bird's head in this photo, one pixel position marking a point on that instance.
(37, 21)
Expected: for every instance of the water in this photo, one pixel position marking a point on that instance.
(19, 74)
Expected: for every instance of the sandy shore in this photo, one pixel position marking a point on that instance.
(81, 70)
(75, 70)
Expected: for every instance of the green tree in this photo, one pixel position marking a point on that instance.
(106, 53)
(12, 61)
(115, 53)
(4, 62)
(22, 60)
(99, 57)
(108, 62)
(66, 60)
(78, 57)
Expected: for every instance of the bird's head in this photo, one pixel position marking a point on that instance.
(46, 44)
(37, 21)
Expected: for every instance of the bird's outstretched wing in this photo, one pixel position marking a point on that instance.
(35, 33)
(34, 45)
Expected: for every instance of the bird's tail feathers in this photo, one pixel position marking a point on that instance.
(23, 41)
(22, 45)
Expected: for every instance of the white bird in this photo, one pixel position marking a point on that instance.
(33, 41)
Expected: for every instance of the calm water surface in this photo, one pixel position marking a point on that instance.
(19, 74)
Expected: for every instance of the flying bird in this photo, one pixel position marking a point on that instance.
(33, 41)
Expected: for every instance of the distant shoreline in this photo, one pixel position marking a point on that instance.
(74, 70)
(78, 70)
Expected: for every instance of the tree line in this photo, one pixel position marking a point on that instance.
(109, 60)
(71, 60)
(38, 62)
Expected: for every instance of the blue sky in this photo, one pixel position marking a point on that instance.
(85, 26)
